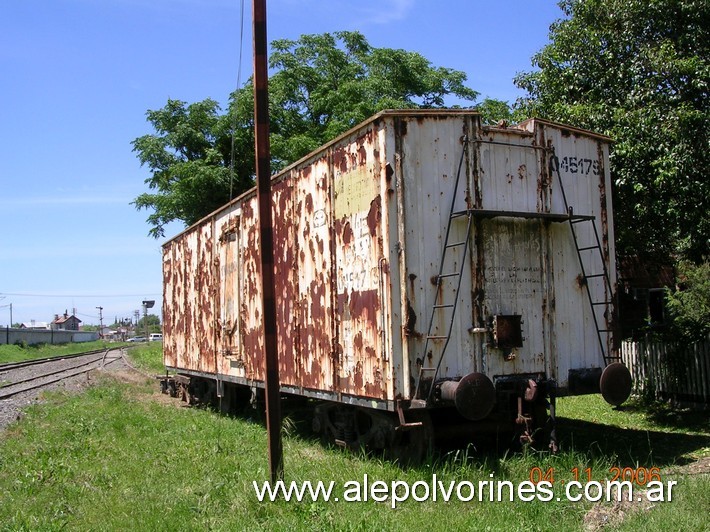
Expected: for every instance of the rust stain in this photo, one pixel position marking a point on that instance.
(364, 305)
(522, 171)
(580, 281)
(340, 159)
(478, 290)
(347, 234)
(358, 341)
(410, 327)
(374, 216)
(358, 377)
(362, 155)
(285, 267)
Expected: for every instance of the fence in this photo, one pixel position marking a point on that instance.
(45, 336)
(670, 371)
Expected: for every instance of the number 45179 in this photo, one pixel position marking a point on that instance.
(578, 165)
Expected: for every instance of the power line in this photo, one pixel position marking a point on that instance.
(236, 103)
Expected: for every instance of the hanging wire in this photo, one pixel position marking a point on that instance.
(236, 102)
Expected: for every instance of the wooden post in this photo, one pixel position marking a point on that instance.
(263, 179)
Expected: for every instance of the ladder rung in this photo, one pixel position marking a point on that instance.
(578, 220)
(454, 274)
(601, 302)
(605, 330)
(594, 275)
(436, 337)
(588, 248)
(458, 214)
(456, 244)
(443, 306)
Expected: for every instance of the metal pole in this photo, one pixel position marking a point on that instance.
(263, 179)
(101, 322)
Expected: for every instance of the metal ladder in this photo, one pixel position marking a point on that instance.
(574, 220)
(455, 274)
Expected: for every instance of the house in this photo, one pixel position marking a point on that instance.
(65, 322)
(107, 333)
(642, 290)
(35, 325)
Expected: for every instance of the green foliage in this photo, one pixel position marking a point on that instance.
(493, 112)
(189, 159)
(639, 72)
(326, 84)
(689, 305)
(322, 86)
(149, 320)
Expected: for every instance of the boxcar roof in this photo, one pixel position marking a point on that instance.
(521, 128)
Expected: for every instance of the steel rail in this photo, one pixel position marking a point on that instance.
(35, 361)
(62, 375)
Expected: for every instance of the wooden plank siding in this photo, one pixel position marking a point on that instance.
(679, 372)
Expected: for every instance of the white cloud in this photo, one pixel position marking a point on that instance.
(388, 11)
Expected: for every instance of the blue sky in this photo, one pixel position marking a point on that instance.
(79, 75)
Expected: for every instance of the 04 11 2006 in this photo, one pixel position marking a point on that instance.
(580, 165)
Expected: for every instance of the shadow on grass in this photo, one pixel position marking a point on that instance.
(632, 447)
(628, 447)
(665, 416)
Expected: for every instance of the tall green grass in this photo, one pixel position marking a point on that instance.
(148, 357)
(121, 456)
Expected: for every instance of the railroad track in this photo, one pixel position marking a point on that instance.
(50, 370)
(36, 361)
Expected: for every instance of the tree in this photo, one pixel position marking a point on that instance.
(150, 322)
(322, 86)
(689, 304)
(189, 158)
(638, 71)
(326, 84)
(495, 111)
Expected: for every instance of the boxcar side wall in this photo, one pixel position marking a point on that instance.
(428, 162)
(332, 261)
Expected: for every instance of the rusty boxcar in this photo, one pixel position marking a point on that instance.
(426, 266)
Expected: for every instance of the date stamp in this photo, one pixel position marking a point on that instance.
(617, 483)
(640, 476)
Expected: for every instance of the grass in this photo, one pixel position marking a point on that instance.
(19, 353)
(148, 356)
(121, 456)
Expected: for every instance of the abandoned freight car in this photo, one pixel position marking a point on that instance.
(427, 267)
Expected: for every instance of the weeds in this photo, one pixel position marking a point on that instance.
(113, 458)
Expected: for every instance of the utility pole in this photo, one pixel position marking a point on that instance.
(101, 322)
(266, 240)
(146, 305)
